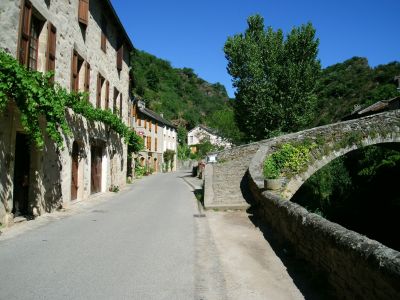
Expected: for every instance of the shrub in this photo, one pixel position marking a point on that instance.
(270, 169)
(288, 160)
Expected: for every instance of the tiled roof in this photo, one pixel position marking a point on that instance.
(155, 116)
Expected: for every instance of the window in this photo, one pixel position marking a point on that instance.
(83, 12)
(145, 123)
(51, 47)
(100, 82)
(155, 127)
(87, 77)
(150, 124)
(103, 42)
(34, 44)
(149, 143)
(155, 144)
(25, 33)
(31, 27)
(139, 121)
(120, 56)
(76, 67)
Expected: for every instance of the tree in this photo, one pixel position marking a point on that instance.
(275, 78)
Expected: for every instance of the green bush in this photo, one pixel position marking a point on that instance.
(270, 169)
(288, 160)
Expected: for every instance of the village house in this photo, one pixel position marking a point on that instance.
(88, 49)
(159, 135)
(202, 133)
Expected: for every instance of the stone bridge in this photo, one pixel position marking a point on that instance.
(357, 267)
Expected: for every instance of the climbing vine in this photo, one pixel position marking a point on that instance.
(38, 98)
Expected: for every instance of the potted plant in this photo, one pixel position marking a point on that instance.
(271, 172)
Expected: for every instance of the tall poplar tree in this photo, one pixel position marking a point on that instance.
(275, 78)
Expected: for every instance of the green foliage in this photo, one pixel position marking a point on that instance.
(179, 94)
(270, 170)
(169, 158)
(275, 78)
(353, 82)
(114, 188)
(183, 152)
(288, 160)
(37, 97)
(182, 135)
(224, 123)
(139, 170)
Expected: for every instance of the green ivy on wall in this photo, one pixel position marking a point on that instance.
(37, 97)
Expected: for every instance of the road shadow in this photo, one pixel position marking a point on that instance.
(312, 284)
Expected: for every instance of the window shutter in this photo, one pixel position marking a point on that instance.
(120, 56)
(83, 13)
(155, 145)
(74, 71)
(51, 47)
(156, 127)
(103, 42)
(107, 94)
(25, 32)
(87, 77)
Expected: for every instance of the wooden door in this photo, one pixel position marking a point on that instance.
(74, 171)
(96, 162)
(21, 175)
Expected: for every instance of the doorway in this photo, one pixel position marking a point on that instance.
(74, 171)
(21, 175)
(96, 164)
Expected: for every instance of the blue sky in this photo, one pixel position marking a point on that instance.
(192, 33)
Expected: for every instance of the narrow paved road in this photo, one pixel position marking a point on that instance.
(138, 244)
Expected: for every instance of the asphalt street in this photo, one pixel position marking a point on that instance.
(138, 244)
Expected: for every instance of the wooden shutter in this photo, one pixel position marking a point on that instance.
(120, 56)
(145, 123)
(150, 125)
(156, 127)
(25, 33)
(74, 72)
(155, 145)
(98, 95)
(51, 47)
(120, 105)
(103, 42)
(83, 13)
(87, 77)
(107, 94)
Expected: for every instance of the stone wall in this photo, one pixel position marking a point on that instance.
(356, 266)
(223, 180)
(50, 169)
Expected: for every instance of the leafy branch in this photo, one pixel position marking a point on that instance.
(38, 98)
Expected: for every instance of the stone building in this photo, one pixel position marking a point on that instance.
(158, 134)
(88, 49)
(201, 133)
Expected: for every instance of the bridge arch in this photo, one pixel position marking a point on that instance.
(332, 141)
(342, 254)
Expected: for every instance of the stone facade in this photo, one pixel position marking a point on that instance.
(200, 133)
(158, 135)
(50, 169)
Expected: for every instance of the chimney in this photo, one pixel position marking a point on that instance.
(162, 115)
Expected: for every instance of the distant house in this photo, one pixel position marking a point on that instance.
(201, 133)
(158, 135)
(375, 108)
